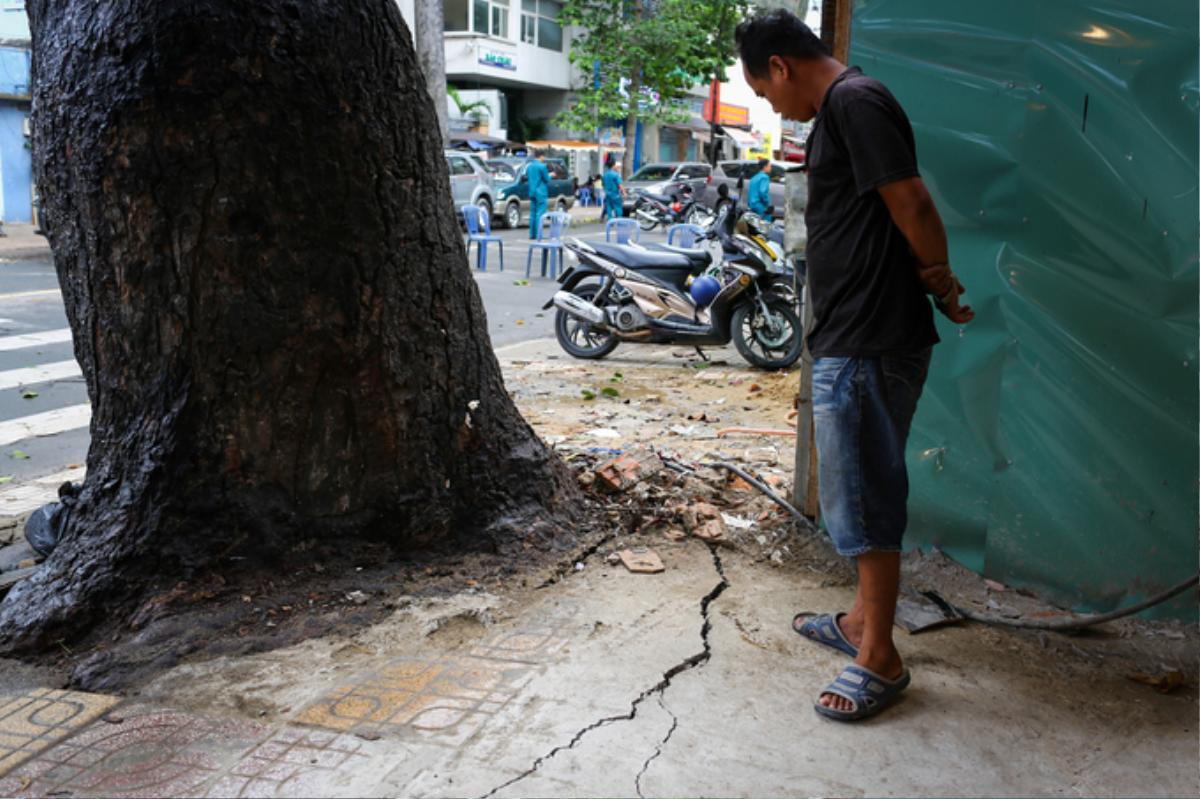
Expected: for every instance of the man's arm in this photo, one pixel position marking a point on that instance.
(912, 209)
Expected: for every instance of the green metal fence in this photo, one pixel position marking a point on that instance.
(1056, 444)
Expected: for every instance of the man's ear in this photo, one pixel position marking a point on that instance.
(777, 66)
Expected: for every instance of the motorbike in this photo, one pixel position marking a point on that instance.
(679, 206)
(614, 293)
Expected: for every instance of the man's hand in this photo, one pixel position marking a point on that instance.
(959, 314)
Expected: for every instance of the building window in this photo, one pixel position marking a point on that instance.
(539, 24)
(489, 17)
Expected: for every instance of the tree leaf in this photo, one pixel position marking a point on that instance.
(588, 394)
(609, 391)
(28, 394)
(8, 478)
(18, 454)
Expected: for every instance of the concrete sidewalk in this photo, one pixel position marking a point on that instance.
(21, 241)
(602, 682)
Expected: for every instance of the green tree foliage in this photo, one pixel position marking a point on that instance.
(650, 53)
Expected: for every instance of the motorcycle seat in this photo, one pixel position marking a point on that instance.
(640, 258)
(662, 198)
(698, 258)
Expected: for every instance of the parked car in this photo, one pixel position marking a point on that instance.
(502, 174)
(659, 178)
(512, 200)
(735, 174)
(470, 182)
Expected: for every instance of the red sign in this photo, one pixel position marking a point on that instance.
(792, 151)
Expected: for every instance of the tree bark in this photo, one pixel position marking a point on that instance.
(269, 298)
(429, 24)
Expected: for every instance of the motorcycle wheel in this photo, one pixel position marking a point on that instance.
(768, 342)
(578, 338)
(643, 222)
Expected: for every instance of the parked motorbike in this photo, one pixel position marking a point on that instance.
(679, 206)
(615, 293)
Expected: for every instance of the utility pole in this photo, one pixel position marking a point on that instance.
(428, 29)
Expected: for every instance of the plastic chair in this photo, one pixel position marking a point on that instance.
(622, 227)
(479, 230)
(585, 196)
(550, 244)
(688, 235)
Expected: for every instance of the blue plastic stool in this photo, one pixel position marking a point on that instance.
(549, 243)
(623, 227)
(479, 230)
(688, 235)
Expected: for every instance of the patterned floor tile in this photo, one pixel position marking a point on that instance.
(295, 762)
(149, 752)
(444, 700)
(33, 721)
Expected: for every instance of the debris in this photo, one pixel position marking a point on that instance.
(586, 479)
(520, 282)
(603, 432)
(367, 735)
(12, 556)
(736, 522)
(919, 612)
(29, 395)
(993, 585)
(109, 718)
(674, 534)
(579, 566)
(1165, 683)
(777, 558)
(641, 560)
(755, 387)
(18, 454)
(613, 558)
(624, 471)
(25, 564)
(357, 597)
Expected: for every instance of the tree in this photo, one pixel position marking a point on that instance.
(429, 27)
(475, 110)
(640, 58)
(269, 298)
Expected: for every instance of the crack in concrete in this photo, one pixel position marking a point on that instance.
(687, 664)
(637, 783)
(581, 557)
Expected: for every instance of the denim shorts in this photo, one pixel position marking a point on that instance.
(862, 411)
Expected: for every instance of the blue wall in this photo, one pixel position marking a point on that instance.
(14, 24)
(15, 156)
(16, 162)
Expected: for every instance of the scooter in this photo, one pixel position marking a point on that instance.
(613, 293)
(651, 210)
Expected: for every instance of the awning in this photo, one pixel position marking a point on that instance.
(560, 144)
(740, 137)
(472, 139)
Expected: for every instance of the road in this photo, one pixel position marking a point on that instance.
(44, 409)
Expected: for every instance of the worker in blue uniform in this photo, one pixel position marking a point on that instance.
(612, 189)
(539, 192)
(758, 195)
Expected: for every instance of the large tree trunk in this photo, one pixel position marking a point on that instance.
(429, 29)
(281, 337)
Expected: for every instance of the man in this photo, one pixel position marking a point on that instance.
(539, 192)
(876, 247)
(612, 189)
(758, 193)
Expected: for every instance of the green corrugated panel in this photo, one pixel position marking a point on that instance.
(1056, 444)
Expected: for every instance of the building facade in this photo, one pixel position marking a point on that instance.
(16, 156)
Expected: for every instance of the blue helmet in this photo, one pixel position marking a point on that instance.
(704, 289)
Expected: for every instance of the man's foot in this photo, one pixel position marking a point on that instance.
(862, 693)
(887, 665)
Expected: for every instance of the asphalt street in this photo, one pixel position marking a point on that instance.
(44, 408)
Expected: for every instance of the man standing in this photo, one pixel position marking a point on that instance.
(758, 193)
(876, 248)
(539, 192)
(612, 189)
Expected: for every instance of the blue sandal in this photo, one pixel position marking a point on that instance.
(824, 629)
(866, 690)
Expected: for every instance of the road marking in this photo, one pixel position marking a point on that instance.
(47, 372)
(35, 339)
(18, 295)
(49, 423)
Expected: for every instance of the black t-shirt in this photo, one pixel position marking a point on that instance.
(867, 299)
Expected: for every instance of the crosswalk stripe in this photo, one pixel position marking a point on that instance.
(49, 423)
(60, 370)
(24, 340)
(16, 295)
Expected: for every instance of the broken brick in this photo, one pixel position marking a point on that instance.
(640, 560)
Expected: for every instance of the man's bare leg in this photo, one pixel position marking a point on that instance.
(868, 624)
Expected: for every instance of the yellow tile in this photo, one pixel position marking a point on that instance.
(36, 720)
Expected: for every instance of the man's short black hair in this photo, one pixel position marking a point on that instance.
(763, 162)
(778, 32)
